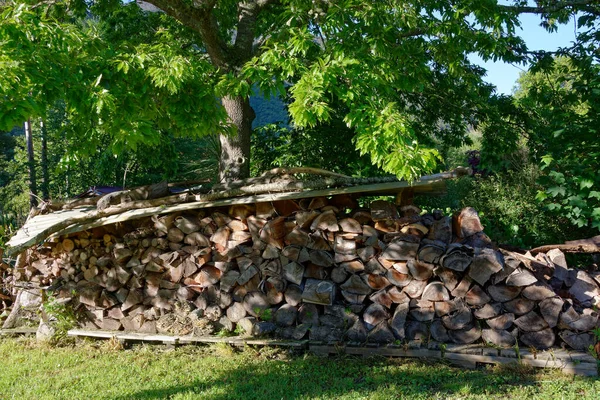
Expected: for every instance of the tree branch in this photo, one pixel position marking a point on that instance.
(199, 18)
(587, 5)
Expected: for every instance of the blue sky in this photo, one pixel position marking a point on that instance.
(504, 75)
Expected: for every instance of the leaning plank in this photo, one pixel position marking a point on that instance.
(76, 221)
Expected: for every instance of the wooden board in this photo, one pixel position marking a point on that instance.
(574, 363)
(37, 224)
(170, 339)
(18, 331)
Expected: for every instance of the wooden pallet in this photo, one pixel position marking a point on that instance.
(472, 356)
(18, 332)
(126, 337)
(468, 356)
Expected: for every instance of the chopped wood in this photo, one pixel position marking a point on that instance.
(318, 292)
(501, 338)
(540, 339)
(501, 322)
(490, 310)
(476, 296)
(550, 309)
(485, 264)
(435, 291)
(325, 221)
(503, 293)
(521, 277)
(466, 223)
(420, 270)
(465, 336)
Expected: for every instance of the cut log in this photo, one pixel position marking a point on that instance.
(397, 296)
(321, 258)
(432, 251)
(398, 320)
(382, 297)
(585, 290)
(357, 332)
(400, 250)
(383, 210)
(466, 223)
(255, 304)
(447, 276)
(498, 338)
(354, 266)
(476, 296)
(561, 269)
(374, 314)
(501, 322)
(293, 272)
(326, 221)
(531, 322)
(485, 264)
(446, 307)
(420, 270)
(550, 309)
(293, 295)
(538, 291)
(438, 331)
(541, 340)
(339, 275)
(521, 277)
(350, 225)
(458, 319)
(415, 288)
(441, 230)
(466, 336)
(376, 282)
(457, 258)
(416, 330)
(356, 285)
(366, 253)
(286, 315)
(397, 278)
(578, 341)
(503, 293)
(381, 334)
(274, 232)
(490, 310)
(319, 292)
(462, 288)
(344, 246)
(435, 291)
(317, 241)
(421, 310)
(305, 218)
(519, 306)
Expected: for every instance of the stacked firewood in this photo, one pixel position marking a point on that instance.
(322, 269)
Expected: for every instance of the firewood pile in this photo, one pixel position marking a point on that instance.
(320, 269)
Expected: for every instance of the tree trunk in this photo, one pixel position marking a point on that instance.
(31, 164)
(235, 148)
(44, 156)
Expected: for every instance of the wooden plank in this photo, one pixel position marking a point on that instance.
(18, 331)
(170, 339)
(23, 235)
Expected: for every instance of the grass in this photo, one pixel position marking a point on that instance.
(100, 370)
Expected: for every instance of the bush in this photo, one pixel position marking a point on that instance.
(508, 208)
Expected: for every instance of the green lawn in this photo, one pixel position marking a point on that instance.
(98, 371)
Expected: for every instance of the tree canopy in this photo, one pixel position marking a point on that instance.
(400, 69)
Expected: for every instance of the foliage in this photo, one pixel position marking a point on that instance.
(400, 70)
(328, 146)
(562, 102)
(61, 316)
(119, 93)
(32, 371)
(508, 208)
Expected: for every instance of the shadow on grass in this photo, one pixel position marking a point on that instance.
(335, 377)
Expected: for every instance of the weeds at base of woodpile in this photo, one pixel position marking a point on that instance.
(515, 369)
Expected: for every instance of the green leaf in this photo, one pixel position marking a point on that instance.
(556, 191)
